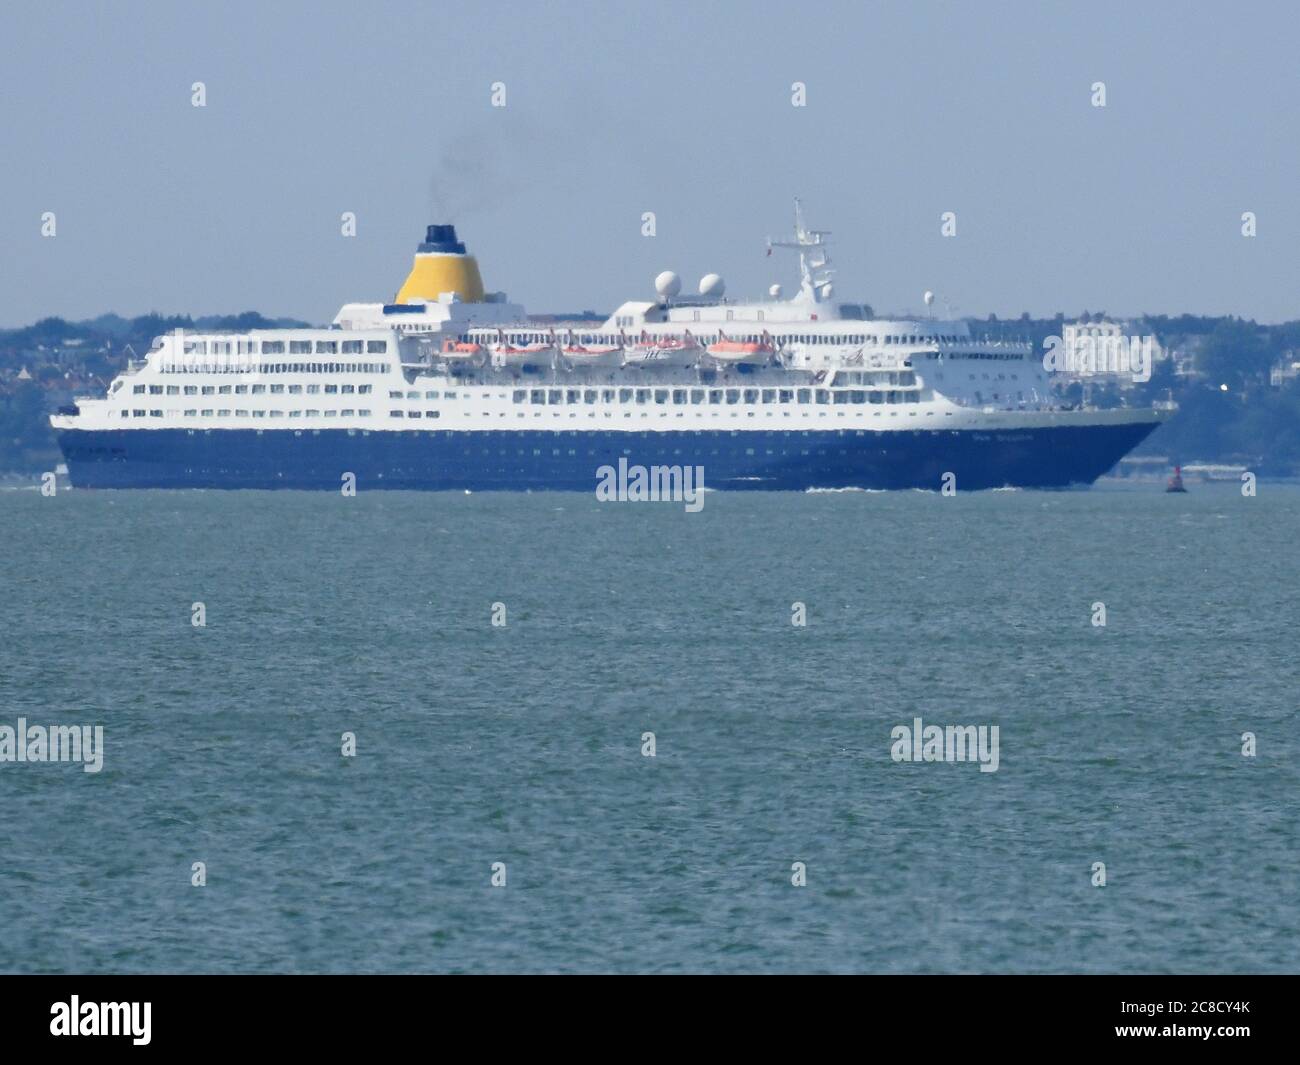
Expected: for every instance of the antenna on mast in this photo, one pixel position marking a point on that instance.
(814, 262)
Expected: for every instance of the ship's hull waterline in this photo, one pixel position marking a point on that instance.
(522, 460)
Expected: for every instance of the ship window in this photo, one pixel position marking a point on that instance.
(661, 395)
(138, 390)
(537, 395)
(277, 414)
(126, 413)
(840, 397)
(519, 395)
(574, 395)
(589, 396)
(857, 396)
(427, 395)
(241, 414)
(225, 413)
(413, 414)
(272, 347)
(316, 413)
(394, 413)
(679, 395)
(697, 396)
(805, 395)
(137, 413)
(607, 395)
(733, 395)
(555, 396)
(194, 413)
(427, 413)
(332, 390)
(643, 395)
(751, 395)
(259, 390)
(876, 397)
(277, 389)
(409, 395)
(326, 347)
(351, 347)
(348, 388)
(715, 396)
(155, 390)
(297, 347)
(391, 395)
(625, 395)
(173, 390)
(363, 390)
(330, 413)
(786, 395)
(366, 414)
(259, 414)
(379, 346)
(295, 390)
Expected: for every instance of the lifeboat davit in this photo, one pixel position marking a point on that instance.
(599, 356)
(741, 352)
(651, 352)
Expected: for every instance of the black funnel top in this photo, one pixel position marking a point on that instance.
(442, 239)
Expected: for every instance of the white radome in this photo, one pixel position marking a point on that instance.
(929, 298)
(775, 292)
(712, 285)
(668, 284)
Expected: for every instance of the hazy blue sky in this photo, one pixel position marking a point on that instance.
(678, 108)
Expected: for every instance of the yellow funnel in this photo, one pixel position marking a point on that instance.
(442, 265)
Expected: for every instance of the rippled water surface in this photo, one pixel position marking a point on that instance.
(522, 744)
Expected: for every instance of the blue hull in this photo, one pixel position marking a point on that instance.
(568, 461)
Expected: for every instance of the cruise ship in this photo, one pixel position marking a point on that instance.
(451, 387)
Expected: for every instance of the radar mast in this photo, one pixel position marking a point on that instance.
(815, 269)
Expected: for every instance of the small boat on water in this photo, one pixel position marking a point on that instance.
(730, 352)
(1176, 481)
(650, 352)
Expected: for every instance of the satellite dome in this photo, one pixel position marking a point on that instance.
(712, 285)
(929, 298)
(668, 284)
(775, 292)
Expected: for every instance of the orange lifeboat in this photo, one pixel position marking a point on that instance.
(462, 354)
(737, 352)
